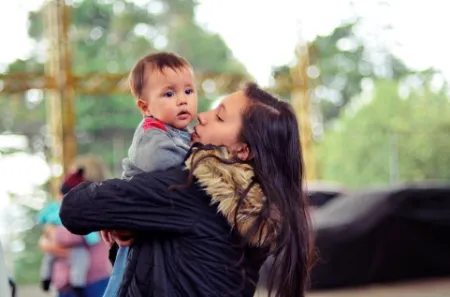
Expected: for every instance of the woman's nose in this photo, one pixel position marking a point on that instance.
(201, 118)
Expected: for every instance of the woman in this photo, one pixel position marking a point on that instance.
(59, 241)
(210, 236)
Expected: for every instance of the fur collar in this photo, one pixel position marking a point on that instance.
(226, 183)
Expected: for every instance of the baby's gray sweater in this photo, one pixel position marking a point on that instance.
(155, 146)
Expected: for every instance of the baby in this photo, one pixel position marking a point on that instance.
(164, 88)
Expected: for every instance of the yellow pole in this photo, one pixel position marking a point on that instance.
(60, 109)
(302, 106)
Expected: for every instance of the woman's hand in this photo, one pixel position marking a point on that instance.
(107, 237)
(48, 246)
(123, 238)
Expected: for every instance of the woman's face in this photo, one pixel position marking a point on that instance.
(222, 125)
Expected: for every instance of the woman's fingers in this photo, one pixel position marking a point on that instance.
(128, 242)
(123, 237)
(107, 237)
(123, 234)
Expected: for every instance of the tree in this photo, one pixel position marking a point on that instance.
(109, 37)
(339, 62)
(28, 261)
(387, 137)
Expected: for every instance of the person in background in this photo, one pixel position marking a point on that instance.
(5, 289)
(13, 286)
(78, 256)
(59, 242)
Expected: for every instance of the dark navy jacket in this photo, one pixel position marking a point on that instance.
(189, 241)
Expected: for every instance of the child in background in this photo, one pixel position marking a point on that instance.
(79, 256)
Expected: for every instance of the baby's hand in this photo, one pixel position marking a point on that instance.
(107, 237)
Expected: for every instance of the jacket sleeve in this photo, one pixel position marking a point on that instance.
(143, 203)
(156, 150)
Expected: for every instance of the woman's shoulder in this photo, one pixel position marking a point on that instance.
(234, 188)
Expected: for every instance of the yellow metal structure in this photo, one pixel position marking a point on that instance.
(302, 106)
(60, 105)
(97, 84)
(60, 84)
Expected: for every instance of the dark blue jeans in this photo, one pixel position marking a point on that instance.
(91, 290)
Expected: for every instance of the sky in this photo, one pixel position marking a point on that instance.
(261, 34)
(276, 26)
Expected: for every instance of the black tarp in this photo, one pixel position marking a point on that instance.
(383, 235)
(320, 192)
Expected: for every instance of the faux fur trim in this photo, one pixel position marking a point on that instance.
(226, 184)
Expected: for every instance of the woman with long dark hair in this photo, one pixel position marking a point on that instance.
(204, 229)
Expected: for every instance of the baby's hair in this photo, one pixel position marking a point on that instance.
(155, 61)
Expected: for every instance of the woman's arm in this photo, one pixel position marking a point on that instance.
(143, 203)
(51, 247)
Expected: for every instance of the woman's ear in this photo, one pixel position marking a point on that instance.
(244, 153)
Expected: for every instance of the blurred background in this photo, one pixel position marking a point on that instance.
(368, 79)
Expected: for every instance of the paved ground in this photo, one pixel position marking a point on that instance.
(433, 288)
(430, 288)
(32, 291)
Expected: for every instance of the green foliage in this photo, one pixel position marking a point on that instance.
(27, 262)
(386, 139)
(18, 114)
(338, 64)
(389, 138)
(109, 37)
(203, 49)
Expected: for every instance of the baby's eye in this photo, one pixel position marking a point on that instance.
(189, 91)
(169, 94)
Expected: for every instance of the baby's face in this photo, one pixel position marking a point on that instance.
(171, 97)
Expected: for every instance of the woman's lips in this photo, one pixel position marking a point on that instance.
(194, 136)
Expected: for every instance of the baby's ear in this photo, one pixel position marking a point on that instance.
(143, 107)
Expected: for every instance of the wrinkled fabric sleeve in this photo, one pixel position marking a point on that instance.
(143, 203)
(155, 150)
